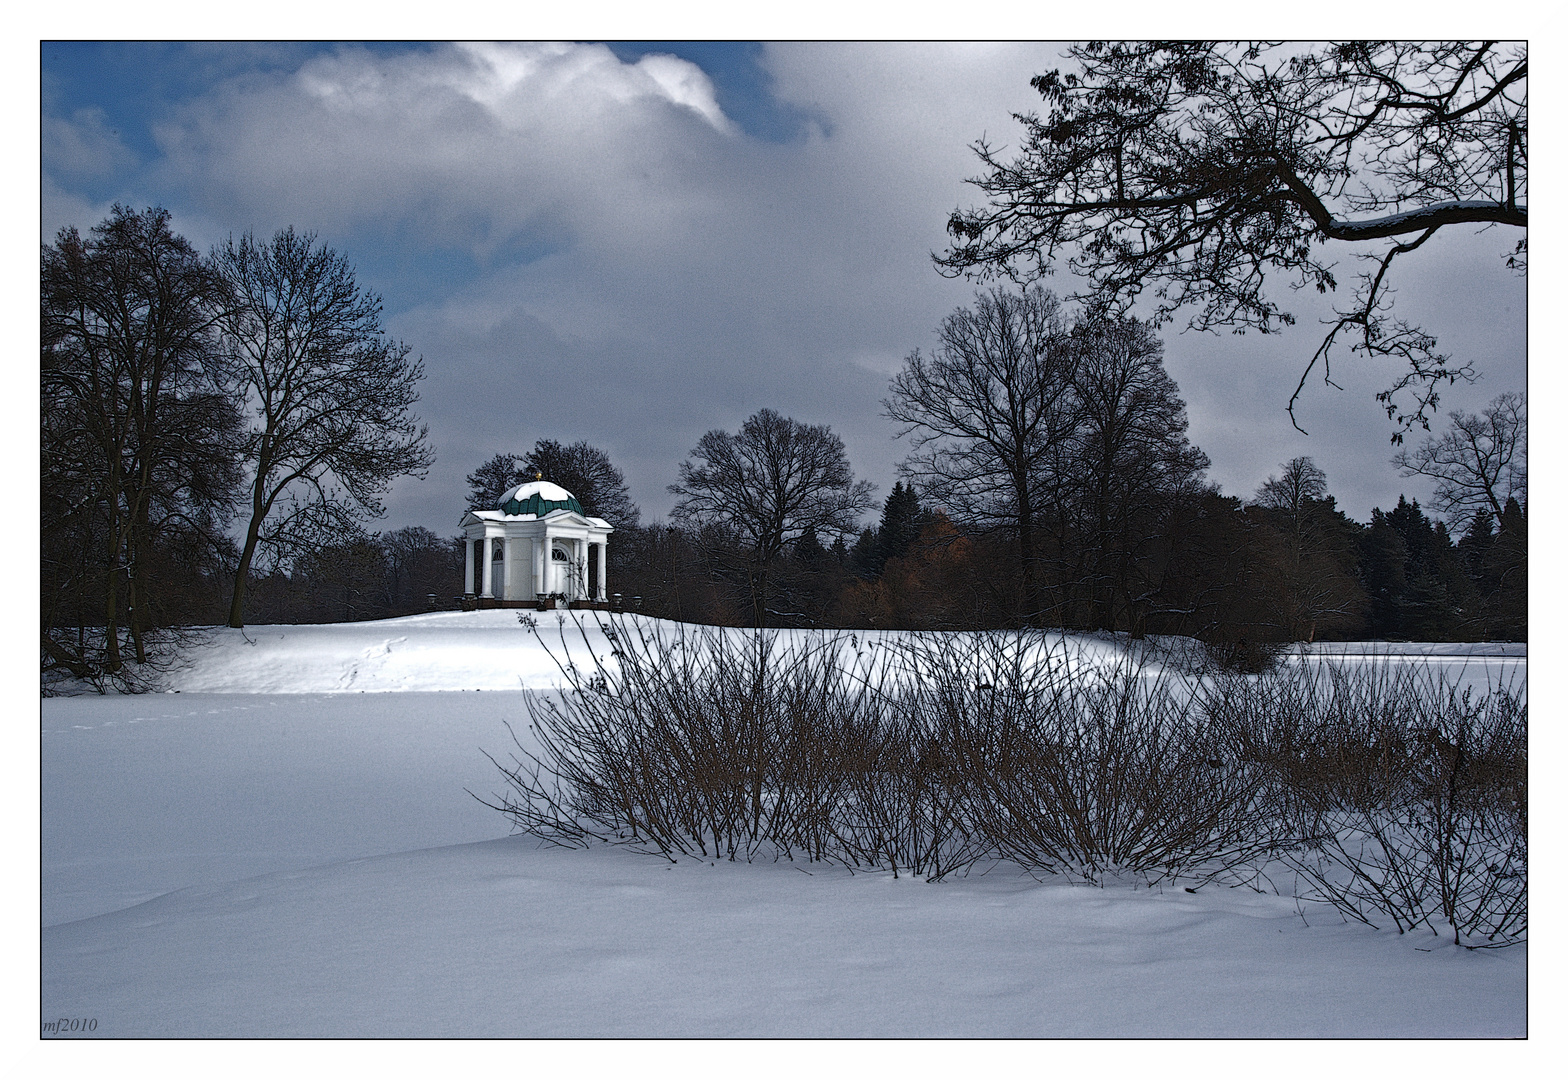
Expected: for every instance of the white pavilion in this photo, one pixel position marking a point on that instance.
(536, 549)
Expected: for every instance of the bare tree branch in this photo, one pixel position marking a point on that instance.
(1198, 171)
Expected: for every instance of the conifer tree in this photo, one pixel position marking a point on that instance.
(1507, 608)
(1412, 572)
(900, 525)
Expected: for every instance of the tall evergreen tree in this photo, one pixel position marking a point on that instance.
(1383, 557)
(808, 550)
(900, 525)
(1507, 607)
(1474, 545)
(1412, 573)
(863, 555)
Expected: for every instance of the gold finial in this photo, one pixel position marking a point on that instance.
(538, 475)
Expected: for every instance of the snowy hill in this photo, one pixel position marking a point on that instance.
(492, 650)
(447, 650)
(444, 650)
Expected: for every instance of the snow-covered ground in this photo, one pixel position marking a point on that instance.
(492, 650)
(272, 852)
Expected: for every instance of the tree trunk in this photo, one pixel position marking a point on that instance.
(759, 596)
(136, 579)
(111, 608)
(111, 625)
(1026, 550)
(1031, 584)
(133, 615)
(242, 573)
(77, 665)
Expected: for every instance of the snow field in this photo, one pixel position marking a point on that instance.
(287, 858)
(492, 650)
(506, 939)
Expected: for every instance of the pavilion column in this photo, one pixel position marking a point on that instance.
(602, 593)
(485, 568)
(541, 557)
(582, 568)
(468, 567)
(508, 587)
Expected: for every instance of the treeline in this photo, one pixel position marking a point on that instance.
(1232, 573)
(1287, 565)
(1051, 482)
(376, 576)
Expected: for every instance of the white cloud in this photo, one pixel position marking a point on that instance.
(470, 146)
(84, 147)
(685, 84)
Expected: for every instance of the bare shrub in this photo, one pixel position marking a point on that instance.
(1244, 656)
(1073, 769)
(1409, 792)
(698, 741)
(903, 805)
(701, 742)
(679, 741)
(922, 756)
(1394, 796)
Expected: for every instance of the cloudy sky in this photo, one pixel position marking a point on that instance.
(635, 243)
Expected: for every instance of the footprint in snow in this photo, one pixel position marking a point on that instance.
(384, 649)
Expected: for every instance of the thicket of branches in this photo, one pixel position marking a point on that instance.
(1201, 175)
(1382, 791)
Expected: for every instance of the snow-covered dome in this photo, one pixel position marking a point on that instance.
(538, 497)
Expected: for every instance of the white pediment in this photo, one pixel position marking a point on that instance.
(552, 520)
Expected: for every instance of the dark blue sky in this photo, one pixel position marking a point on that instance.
(138, 84)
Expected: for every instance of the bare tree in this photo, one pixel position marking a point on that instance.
(329, 395)
(493, 479)
(986, 412)
(419, 565)
(585, 471)
(1316, 559)
(1478, 464)
(1128, 458)
(139, 432)
(1292, 492)
(1198, 170)
(769, 483)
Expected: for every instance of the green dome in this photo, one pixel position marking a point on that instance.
(539, 497)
